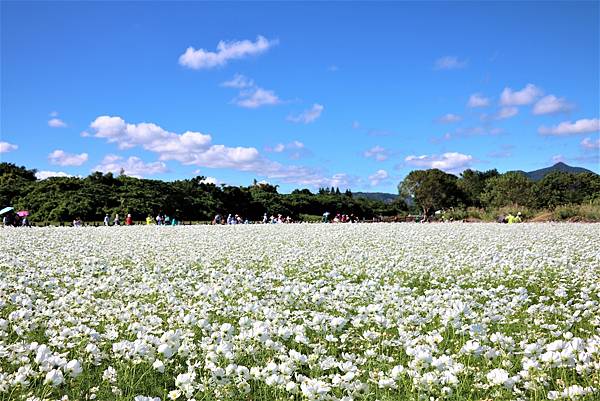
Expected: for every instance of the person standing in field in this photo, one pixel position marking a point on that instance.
(117, 221)
(128, 220)
(106, 220)
(148, 220)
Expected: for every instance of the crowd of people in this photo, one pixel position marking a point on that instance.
(14, 220)
(160, 220)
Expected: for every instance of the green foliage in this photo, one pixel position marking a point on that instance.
(560, 188)
(472, 183)
(431, 190)
(64, 199)
(585, 212)
(512, 188)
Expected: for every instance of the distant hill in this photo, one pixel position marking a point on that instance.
(537, 175)
(380, 196)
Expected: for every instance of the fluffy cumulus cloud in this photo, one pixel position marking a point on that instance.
(56, 123)
(190, 148)
(132, 166)
(307, 116)
(377, 152)
(194, 148)
(450, 161)
(590, 144)
(226, 51)
(523, 97)
(378, 177)
(449, 63)
(583, 126)
(62, 158)
(449, 118)
(6, 147)
(44, 174)
(478, 100)
(551, 105)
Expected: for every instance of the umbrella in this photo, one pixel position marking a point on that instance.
(6, 210)
(23, 213)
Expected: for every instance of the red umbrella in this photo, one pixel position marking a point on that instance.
(23, 213)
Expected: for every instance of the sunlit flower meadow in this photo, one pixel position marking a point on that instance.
(301, 312)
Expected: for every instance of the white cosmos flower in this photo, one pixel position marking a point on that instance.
(497, 377)
(73, 368)
(54, 378)
(159, 366)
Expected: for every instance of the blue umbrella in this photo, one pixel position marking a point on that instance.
(6, 210)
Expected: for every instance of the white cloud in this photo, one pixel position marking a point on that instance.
(280, 147)
(558, 159)
(193, 148)
(132, 166)
(478, 100)
(295, 149)
(239, 81)
(226, 51)
(250, 95)
(449, 118)
(189, 148)
(525, 96)
(210, 180)
(256, 97)
(506, 112)
(6, 147)
(56, 123)
(377, 152)
(63, 158)
(307, 116)
(449, 63)
(590, 144)
(583, 126)
(379, 176)
(42, 175)
(551, 105)
(53, 114)
(450, 161)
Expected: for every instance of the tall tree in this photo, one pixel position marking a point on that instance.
(431, 189)
(511, 188)
(472, 183)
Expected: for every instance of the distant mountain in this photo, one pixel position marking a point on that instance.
(537, 175)
(380, 196)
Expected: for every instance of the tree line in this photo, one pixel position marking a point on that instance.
(434, 189)
(63, 199)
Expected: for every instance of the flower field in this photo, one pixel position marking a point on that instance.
(301, 312)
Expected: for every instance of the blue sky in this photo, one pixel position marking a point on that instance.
(354, 95)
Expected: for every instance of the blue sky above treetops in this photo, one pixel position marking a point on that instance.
(312, 94)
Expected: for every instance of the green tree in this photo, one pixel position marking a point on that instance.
(560, 188)
(511, 188)
(431, 189)
(472, 183)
